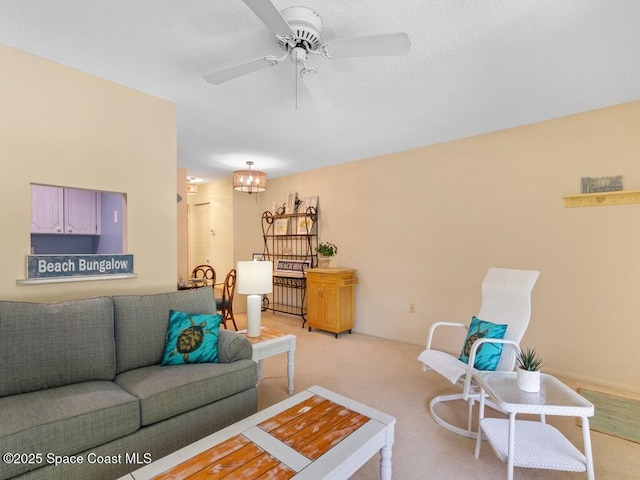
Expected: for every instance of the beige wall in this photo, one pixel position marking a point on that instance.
(64, 127)
(423, 226)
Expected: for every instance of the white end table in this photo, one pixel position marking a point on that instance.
(272, 342)
(533, 444)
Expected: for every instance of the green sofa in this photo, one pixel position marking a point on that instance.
(83, 394)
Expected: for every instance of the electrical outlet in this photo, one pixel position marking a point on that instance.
(412, 308)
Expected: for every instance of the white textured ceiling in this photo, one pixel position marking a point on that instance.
(475, 66)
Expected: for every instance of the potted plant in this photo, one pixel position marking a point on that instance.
(325, 252)
(529, 363)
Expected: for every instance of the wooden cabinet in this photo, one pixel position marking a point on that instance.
(331, 299)
(47, 210)
(81, 211)
(64, 210)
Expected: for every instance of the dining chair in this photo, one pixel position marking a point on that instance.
(205, 273)
(225, 303)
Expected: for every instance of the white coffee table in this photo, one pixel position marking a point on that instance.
(316, 434)
(533, 444)
(272, 342)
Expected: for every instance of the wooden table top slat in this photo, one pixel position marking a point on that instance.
(327, 439)
(291, 413)
(312, 427)
(298, 439)
(265, 334)
(204, 459)
(243, 464)
(316, 418)
(279, 472)
(230, 464)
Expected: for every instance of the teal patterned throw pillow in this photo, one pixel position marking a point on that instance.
(488, 354)
(191, 338)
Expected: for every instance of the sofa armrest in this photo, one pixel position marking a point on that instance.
(233, 347)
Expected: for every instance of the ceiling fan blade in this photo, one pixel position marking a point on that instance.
(390, 44)
(314, 92)
(270, 16)
(230, 73)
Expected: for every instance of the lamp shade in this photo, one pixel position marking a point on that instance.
(254, 278)
(249, 181)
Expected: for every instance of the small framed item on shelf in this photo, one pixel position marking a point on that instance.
(281, 226)
(290, 206)
(305, 224)
(306, 203)
(294, 268)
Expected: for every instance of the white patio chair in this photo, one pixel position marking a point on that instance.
(506, 299)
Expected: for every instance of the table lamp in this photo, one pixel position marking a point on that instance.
(254, 280)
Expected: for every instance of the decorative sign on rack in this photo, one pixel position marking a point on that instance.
(294, 268)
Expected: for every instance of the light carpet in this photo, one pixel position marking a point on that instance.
(385, 375)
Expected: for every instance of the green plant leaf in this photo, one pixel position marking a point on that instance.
(529, 359)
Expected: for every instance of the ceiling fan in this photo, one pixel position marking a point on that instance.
(298, 32)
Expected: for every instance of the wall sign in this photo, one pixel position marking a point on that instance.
(55, 266)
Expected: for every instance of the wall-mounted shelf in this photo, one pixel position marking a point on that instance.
(622, 197)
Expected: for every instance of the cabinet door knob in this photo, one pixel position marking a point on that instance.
(69, 230)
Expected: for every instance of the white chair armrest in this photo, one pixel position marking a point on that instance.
(472, 359)
(480, 341)
(442, 324)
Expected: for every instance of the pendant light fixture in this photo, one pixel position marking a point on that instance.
(249, 181)
(192, 187)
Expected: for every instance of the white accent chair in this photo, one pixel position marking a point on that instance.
(506, 299)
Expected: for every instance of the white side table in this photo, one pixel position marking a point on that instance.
(532, 444)
(272, 342)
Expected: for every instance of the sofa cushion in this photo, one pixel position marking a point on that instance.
(54, 344)
(233, 347)
(167, 391)
(191, 338)
(64, 421)
(141, 323)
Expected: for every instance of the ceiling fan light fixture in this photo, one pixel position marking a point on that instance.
(298, 31)
(249, 181)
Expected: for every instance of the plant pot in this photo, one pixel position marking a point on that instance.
(529, 381)
(324, 262)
